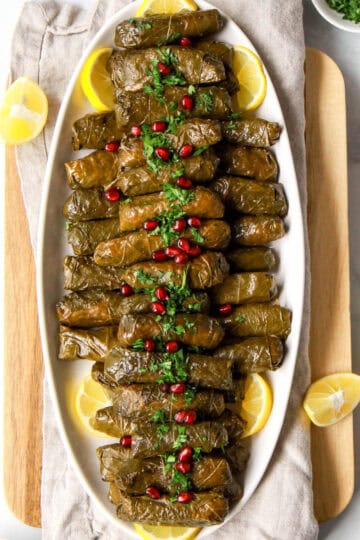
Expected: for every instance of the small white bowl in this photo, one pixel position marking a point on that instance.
(335, 18)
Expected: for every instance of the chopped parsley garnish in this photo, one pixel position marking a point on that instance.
(179, 172)
(240, 318)
(138, 345)
(145, 277)
(350, 9)
(181, 437)
(158, 81)
(166, 220)
(191, 90)
(159, 417)
(189, 394)
(161, 429)
(205, 101)
(197, 236)
(67, 226)
(139, 24)
(235, 115)
(173, 367)
(127, 201)
(173, 106)
(169, 39)
(200, 150)
(175, 193)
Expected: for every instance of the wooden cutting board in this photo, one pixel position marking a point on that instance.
(332, 448)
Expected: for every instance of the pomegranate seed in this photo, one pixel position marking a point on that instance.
(184, 183)
(185, 497)
(178, 388)
(194, 221)
(190, 417)
(127, 290)
(164, 69)
(185, 455)
(150, 225)
(125, 441)
(187, 103)
(225, 309)
(184, 244)
(135, 131)
(194, 251)
(112, 194)
(162, 294)
(149, 345)
(162, 153)
(172, 346)
(159, 256)
(112, 146)
(179, 225)
(186, 150)
(172, 251)
(180, 417)
(164, 387)
(181, 259)
(154, 493)
(158, 308)
(183, 467)
(185, 42)
(158, 127)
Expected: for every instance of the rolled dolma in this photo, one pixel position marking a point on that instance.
(95, 130)
(146, 442)
(258, 320)
(257, 230)
(134, 108)
(256, 163)
(143, 180)
(208, 473)
(91, 344)
(82, 273)
(225, 53)
(209, 508)
(237, 453)
(250, 197)
(141, 402)
(195, 329)
(253, 355)
(206, 270)
(89, 204)
(84, 236)
(100, 308)
(204, 204)
(252, 258)
(251, 132)
(139, 246)
(107, 420)
(124, 366)
(157, 30)
(244, 288)
(130, 70)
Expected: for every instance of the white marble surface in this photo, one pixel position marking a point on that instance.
(344, 48)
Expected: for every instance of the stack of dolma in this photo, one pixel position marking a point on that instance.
(170, 290)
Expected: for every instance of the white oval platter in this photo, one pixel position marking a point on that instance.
(63, 377)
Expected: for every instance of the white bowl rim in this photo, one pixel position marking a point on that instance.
(335, 18)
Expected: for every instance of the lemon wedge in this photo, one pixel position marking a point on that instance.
(256, 406)
(95, 80)
(157, 532)
(149, 7)
(23, 112)
(250, 73)
(331, 398)
(90, 397)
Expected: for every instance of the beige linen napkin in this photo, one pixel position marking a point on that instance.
(48, 42)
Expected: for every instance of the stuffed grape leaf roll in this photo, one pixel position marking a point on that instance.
(124, 366)
(156, 29)
(139, 246)
(256, 163)
(252, 258)
(250, 197)
(245, 288)
(84, 236)
(193, 329)
(203, 203)
(254, 354)
(208, 508)
(89, 204)
(90, 344)
(257, 230)
(133, 70)
(258, 320)
(82, 273)
(251, 132)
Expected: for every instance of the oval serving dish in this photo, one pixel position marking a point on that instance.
(63, 377)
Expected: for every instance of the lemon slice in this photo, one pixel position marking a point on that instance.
(23, 112)
(90, 397)
(331, 398)
(157, 532)
(95, 80)
(250, 73)
(149, 7)
(256, 406)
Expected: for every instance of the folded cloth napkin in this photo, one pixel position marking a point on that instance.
(48, 41)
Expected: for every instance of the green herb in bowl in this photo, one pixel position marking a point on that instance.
(350, 9)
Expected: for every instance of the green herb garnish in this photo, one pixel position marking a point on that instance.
(240, 318)
(197, 236)
(175, 193)
(168, 39)
(159, 416)
(190, 394)
(139, 24)
(138, 345)
(200, 150)
(191, 90)
(166, 220)
(181, 437)
(145, 277)
(350, 9)
(205, 101)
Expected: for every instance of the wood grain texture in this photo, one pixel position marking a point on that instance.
(332, 448)
(23, 369)
(330, 340)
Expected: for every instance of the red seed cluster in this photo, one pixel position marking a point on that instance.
(126, 290)
(185, 417)
(112, 194)
(112, 146)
